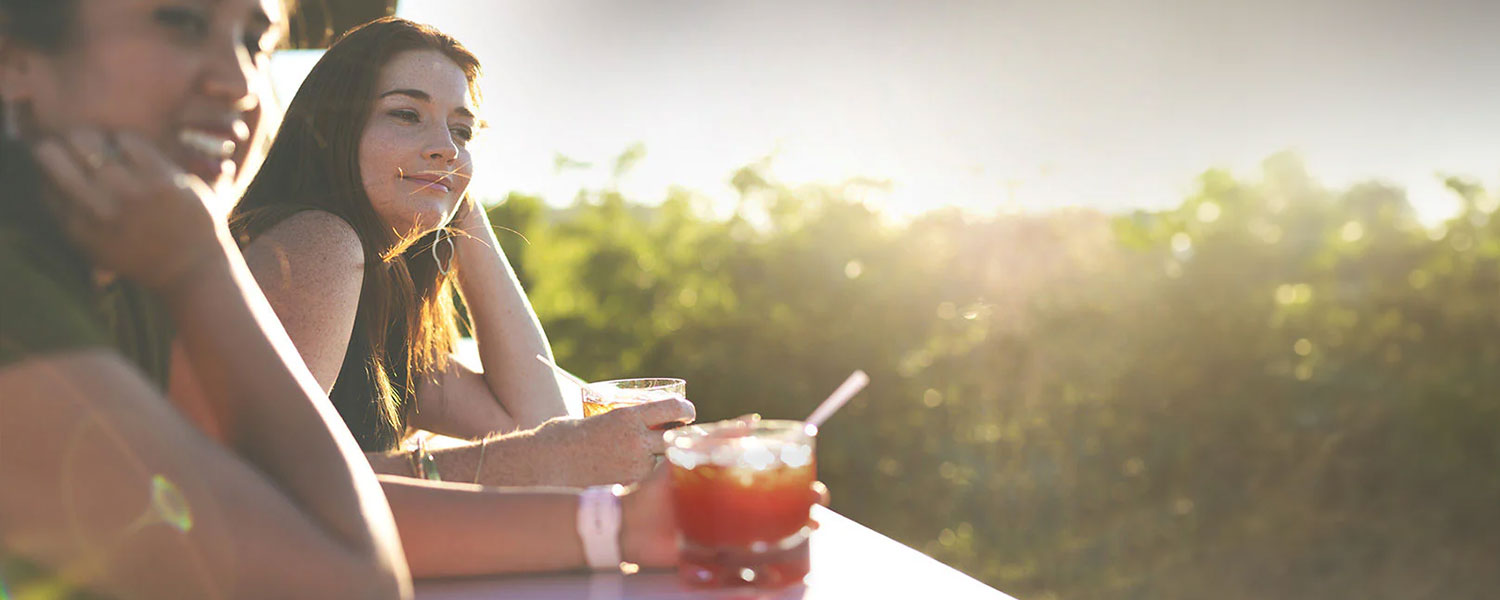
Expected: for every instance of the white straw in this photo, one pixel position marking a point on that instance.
(851, 386)
(565, 373)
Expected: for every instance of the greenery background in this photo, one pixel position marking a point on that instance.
(1272, 390)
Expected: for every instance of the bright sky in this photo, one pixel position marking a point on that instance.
(991, 105)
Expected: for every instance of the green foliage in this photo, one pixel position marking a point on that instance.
(1272, 390)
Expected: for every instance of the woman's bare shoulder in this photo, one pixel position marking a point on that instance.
(310, 263)
(313, 237)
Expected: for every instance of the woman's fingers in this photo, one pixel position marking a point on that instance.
(91, 148)
(664, 411)
(155, 167)
(655, 443)
(120, 181)
(144, 156)
(820, 495)
(138, 152)
(107, 170)
(79, 191)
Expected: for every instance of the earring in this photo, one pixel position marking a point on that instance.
(442, 266)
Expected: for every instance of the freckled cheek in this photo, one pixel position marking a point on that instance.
(465, 174)
(376, 168)
(378, 177)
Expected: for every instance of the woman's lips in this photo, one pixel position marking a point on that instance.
(434, 182)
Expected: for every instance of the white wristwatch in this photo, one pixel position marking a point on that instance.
(599, 525)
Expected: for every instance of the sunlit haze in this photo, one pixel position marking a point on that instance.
(985, 105)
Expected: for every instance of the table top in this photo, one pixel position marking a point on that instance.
(849, 560)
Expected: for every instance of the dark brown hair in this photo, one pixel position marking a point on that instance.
(43, 25)
(406, 323)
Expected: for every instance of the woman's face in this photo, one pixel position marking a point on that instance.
(413, 154)
(183, 73)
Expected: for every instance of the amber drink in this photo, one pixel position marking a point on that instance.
(605, 396)
(741, 495)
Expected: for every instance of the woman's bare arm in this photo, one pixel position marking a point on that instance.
(458, 403)
(274, 414)
(310, 268)
(505, 326)
(158, 232)
(616, 447)
(463, 530)
(108, 487)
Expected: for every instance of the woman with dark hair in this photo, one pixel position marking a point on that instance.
(126, 123)
(359, 231)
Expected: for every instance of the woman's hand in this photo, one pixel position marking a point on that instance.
(648, 531)
(620, 446)
(469, 218)
(130, 209)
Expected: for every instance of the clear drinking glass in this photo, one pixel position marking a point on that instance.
(605, 396)
(742, 495)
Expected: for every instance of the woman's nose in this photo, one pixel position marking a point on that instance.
(442, 147)
(229, 73)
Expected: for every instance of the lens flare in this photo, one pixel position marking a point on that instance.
(169, 504)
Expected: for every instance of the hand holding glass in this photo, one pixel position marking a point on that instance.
(605, 396)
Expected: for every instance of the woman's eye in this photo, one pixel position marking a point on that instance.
(187, 21)
(410, 116)
(463, 134)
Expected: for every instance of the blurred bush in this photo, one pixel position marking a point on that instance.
(1272, 390)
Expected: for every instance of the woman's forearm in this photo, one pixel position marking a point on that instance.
(120, 494)
(521, 458)
(458, 403)
(275, 414)
(615, 447)
(505, 326)
(460, 529)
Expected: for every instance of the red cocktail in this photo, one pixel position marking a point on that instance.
(741, 495)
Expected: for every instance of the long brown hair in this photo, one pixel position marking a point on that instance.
(406, 323)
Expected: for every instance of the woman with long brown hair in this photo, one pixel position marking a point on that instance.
(359, 230)
(347, 229)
